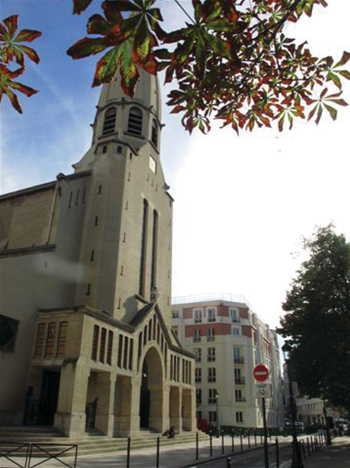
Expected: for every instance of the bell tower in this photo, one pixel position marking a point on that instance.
(125, 259)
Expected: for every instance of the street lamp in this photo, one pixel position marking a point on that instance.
(217, 414)
(296, 461)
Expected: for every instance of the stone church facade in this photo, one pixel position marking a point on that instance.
(85, 321)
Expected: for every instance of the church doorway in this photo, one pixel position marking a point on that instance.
(151, 392)
(49, 396)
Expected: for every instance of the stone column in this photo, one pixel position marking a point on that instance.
(175, 405)
(70, 417)
(189, 409)
(105, 409)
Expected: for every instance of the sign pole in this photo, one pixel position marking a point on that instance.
(266, 450)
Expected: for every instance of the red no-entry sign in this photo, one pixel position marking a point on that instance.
(261, 373)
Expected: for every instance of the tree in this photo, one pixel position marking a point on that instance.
(317, 323)
(231, 61)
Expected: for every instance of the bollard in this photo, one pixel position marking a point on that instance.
(222, 443)
(211, 444)
(128, 453)
(157, 460)
(308, 446)
(277, 455)
(197, 456)
(228, 462)
(232, 441)
(241, 441)
(255, 442)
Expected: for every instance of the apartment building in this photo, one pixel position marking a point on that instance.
(228, 340)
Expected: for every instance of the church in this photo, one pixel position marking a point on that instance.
(85, 262)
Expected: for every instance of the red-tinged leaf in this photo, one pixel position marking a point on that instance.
(281, 122)
(345, 58)
(97, 25)
(27, 35)
(162, 54)
(30, 53)
(329, 61)
(129, 73)
(290, 118)
(335, 79)
(156, 14)
(80, 5)
(324, 92)
(340, 102)
(319, 114)
(12, 24)
(333, 112)
(345, 74)
(169, 75)
(86, 47)
(312, 113)
(14, 99)
(112, 12)
(23, 88)
(106, 67)
(142, 42)
(175, 36)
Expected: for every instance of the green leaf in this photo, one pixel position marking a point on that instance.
(333, 112)
(86, 47)
(27, 35)
(30, 53)
(345, 74)
(319, 114)
(106, 67)
(128, 70)
(340, 102)
(11, 24)
(335, 79)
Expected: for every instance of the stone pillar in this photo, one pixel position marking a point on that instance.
(189, 409)
(175, 405)
(156, 410)
(105, 408)
(70, 417)
(126, 407)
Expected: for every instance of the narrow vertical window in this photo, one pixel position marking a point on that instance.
(95, 342)
(50, 342)
(154, 133)
(143, 248)
(135, 121)
(62, 339)
(88, 289)
(125, 357)
(70, 199)
(110, 347)
(109, 121)
(103, 345)
(77, 197)
(154, 250)
(92, 255)
(120, 351)
(39, 341)
(131, 353)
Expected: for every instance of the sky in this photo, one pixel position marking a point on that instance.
(242, 203)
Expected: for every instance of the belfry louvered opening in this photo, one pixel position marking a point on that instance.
(135, 121)
(109, 121)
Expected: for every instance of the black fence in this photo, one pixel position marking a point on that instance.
(33, 455)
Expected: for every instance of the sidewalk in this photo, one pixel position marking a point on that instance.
(334, 456)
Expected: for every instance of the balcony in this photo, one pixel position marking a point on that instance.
(240, 400)
(196, 339)
(211, 338)
(238, 359)
(235, 319)
(239, 380)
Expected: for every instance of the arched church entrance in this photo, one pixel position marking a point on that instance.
(151, 396)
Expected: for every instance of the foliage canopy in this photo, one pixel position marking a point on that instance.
(230, 61)
(317, 321)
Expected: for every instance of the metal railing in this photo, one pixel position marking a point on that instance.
(8, 450)
(238, 360)
(239, 380)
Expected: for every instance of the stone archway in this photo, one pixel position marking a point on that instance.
(151, 391)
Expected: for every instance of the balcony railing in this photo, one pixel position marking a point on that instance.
(211, 338)
(239, 380)
(239, 359)
(196, 339)
(241, 400)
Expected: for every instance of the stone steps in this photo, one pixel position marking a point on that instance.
(91, 444)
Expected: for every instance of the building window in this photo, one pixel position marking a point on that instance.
(50, 341)
(196, 335)
(110, 348)
(211, 374)
(198, 375)
(199, 415)
(212, 416)
(238, 395)
(109, 121)
(211, 354)
(234, 314)
(238, 359)
(154, 133)
(235, 331)
(95, 342)
(103, 345)
(198, 354)
(239, 416)
(8, 332)
(131, 353)
(199, 396)
(198, 313)
(39, 341)
(212, 395)
(211, 315)
(154, 251)
(120, 350)
(135, 121)
(210, 334)
(175, 314)
(62, 338)
(143, 248)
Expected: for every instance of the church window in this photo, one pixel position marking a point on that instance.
(158, 333)
(154, 133)
(88, 289)
(154, 328)
(124, 237)
(110, 347)
(50, 341)
(154, 250)
(119, 302)
(83, 198)
(62, 339)
(104, 149)
(150, 330)
(135, 121)
(109, 121)
(131, 352)
(92, 255)
(122, 270)
(8, 332)
(103, 345)
(70, 199)
(119, 149)
(96, 221)
(143, 248)
(125, 356)
(120, 351)
(99, 190)
(77, 197)
(95, 342)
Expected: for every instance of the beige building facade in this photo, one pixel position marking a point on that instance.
(229, 340)
(85, 319)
